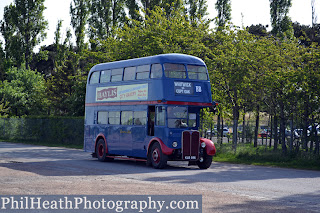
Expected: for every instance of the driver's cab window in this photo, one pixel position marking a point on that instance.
(178, 117)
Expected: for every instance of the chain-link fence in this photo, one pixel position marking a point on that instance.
(55, 131)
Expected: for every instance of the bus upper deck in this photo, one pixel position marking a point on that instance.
(171, 78)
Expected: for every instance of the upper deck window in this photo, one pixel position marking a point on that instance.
(129, 73)
(175, 70)
(105, 76)
(143, 72)
(116, 75)
(94, 79)
(156, 71)
(197, 72)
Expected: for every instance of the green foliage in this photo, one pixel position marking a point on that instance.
(4, 109)
(224, 12)
(258, 30)
(280, 22)
(79, 15)
(2, 63)
(156, 35)
(23, 27)
(24, 90)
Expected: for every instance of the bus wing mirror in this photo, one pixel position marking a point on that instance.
(213, 108)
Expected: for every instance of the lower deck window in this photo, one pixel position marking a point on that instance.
(126, 118)
(102, 117)
(114, 118)
(140, 118)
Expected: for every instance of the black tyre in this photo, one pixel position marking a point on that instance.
(206, 163)
(157, 158)
(101, 151)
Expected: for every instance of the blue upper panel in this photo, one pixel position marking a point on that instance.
(151, 89)
(163, 58)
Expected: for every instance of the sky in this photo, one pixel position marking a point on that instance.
(244, 13)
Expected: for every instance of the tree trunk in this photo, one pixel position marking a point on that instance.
(313, 134)
(221, 129)
(275, 128)
(218, 129)
(235, 127)
(291, 135)
(243, 126)
(305, 126)
(283, 129)
(256, 129)
(316, 150)
(271, 131)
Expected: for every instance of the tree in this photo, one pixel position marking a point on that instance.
(79, 16)
(157, 34)
(24, 90)
(133, 7)
(306, 34)
(106, 16)
(230, 66)
(196, 10)
(224, 12)
(280, 21)
(4, 109)
(2, 63)
(149, 5)
(23, 27)
(258, 30)
(314, 16)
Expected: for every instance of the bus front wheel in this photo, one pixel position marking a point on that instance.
(101, 151)
(206, 161)
(157, 158)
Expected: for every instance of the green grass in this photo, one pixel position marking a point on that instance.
(247, 154)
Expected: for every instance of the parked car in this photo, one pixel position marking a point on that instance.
(214, 132)
(225, 133)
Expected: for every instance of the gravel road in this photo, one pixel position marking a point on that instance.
(38, 170)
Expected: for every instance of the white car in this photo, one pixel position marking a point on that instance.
(225, 132)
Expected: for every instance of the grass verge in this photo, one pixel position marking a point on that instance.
(247, 154)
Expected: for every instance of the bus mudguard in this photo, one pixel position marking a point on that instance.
(165, 150)
(104, 138)
(210, 148)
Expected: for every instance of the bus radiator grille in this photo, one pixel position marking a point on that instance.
(190, 145)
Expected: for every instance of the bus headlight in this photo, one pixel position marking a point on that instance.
(203, 144)
(175, 144)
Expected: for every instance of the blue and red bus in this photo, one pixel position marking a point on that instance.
(148, 109)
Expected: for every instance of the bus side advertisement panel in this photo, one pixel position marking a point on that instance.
(122, 93)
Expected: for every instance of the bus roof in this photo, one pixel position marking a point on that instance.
(163, 58)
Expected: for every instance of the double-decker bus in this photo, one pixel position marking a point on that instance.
(148, 109)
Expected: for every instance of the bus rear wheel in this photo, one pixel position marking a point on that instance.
(157, 158)
(205, 163)
(101, 151)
